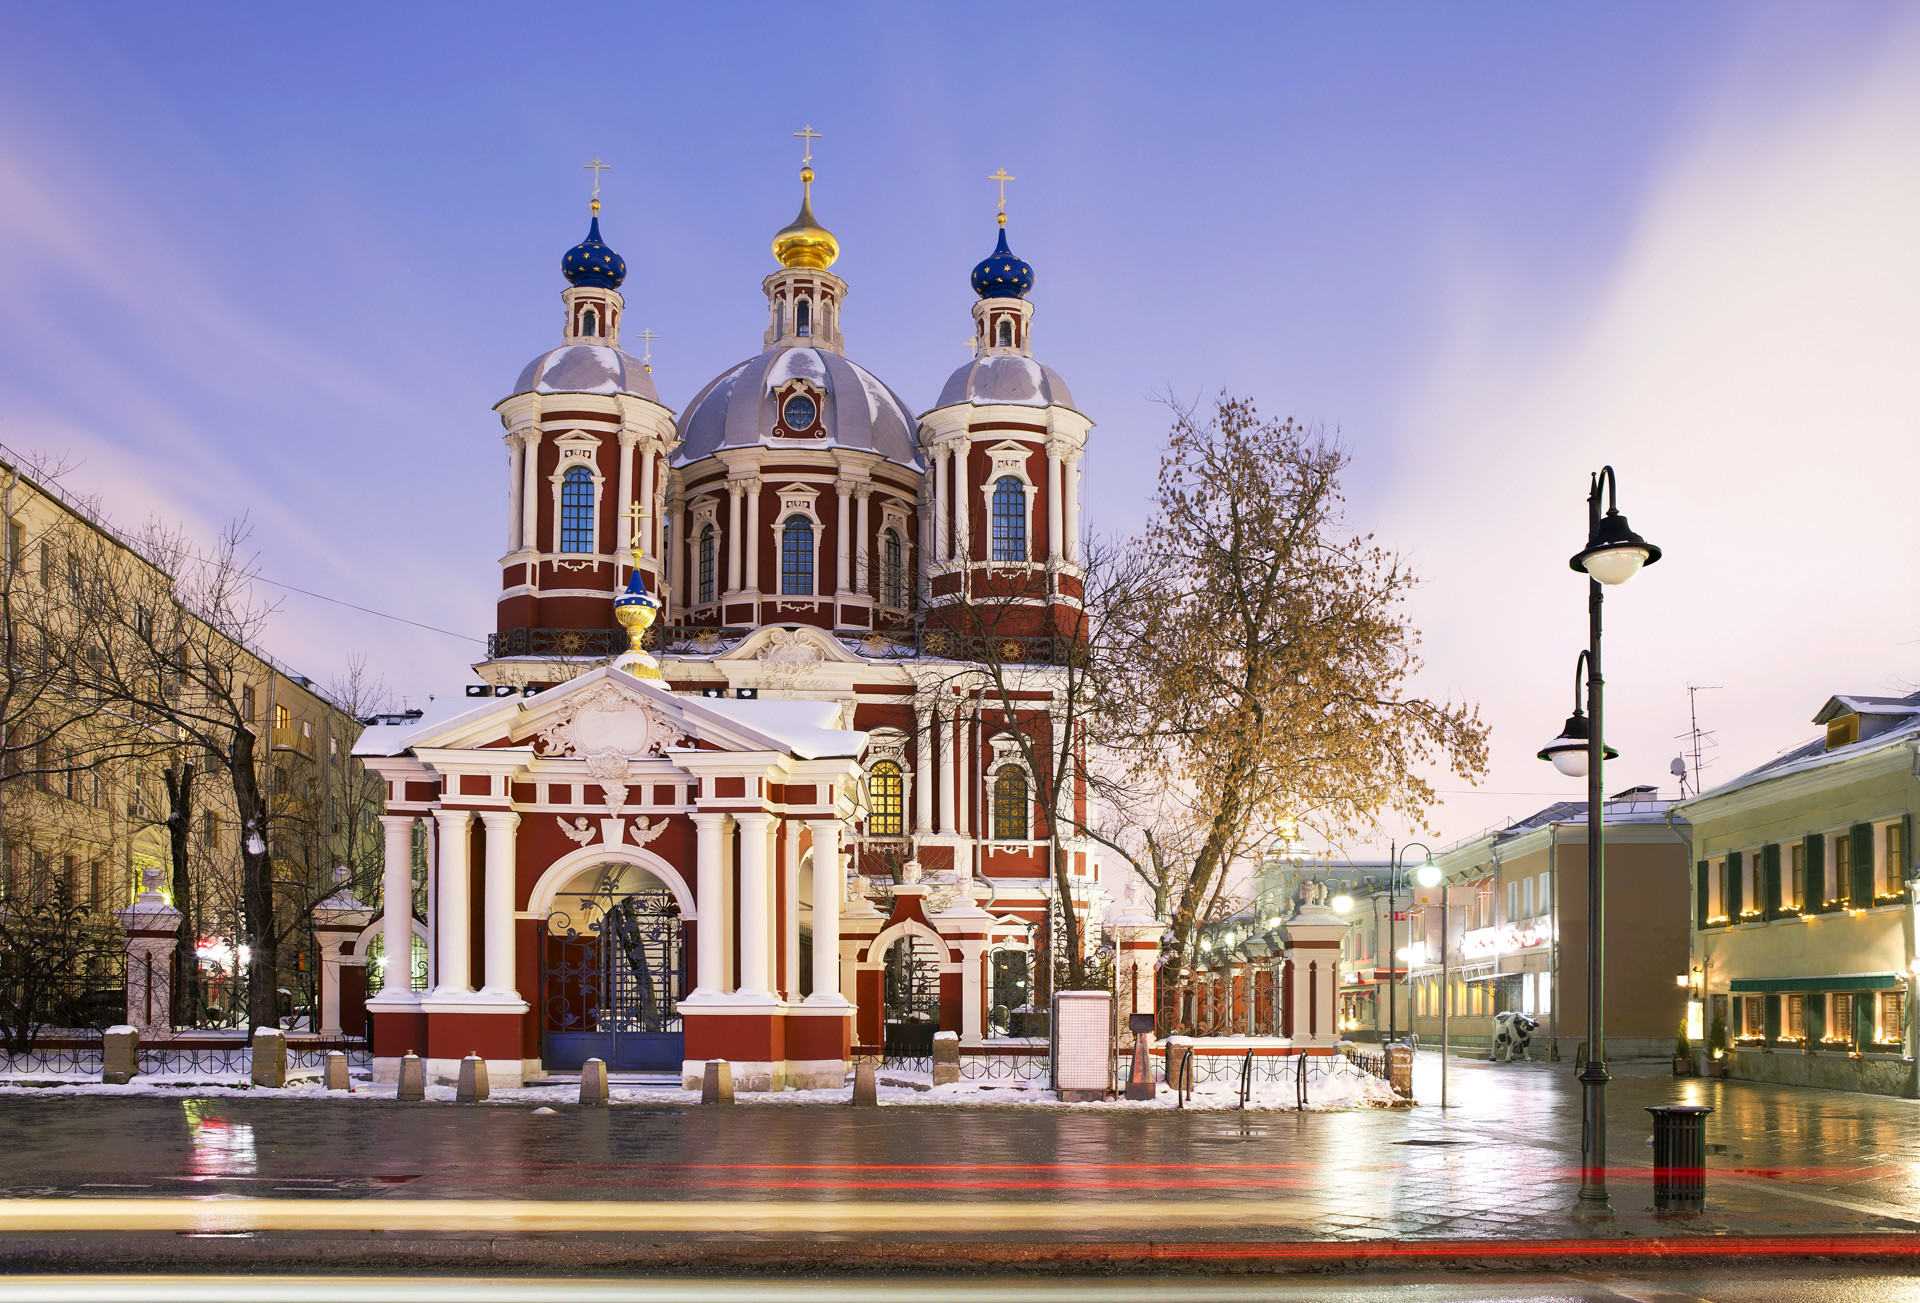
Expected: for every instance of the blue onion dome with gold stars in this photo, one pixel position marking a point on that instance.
(1000, 275)
(592, 263)
(635, 594)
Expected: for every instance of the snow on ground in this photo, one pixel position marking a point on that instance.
(1326, 1094)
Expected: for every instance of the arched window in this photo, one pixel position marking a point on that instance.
(893, 578)
(803, 317)
(576, 510)
(706, 565)
(796, 556)
(779, 319)
(1010, 804)
(1009, 520)
(1006, 333)
(886, 810)
(590, 322)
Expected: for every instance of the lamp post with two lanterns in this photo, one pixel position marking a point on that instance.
(1613, 555)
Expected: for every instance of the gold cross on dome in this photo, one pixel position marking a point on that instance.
(1002, 177)
(638, 514)
(649, 336)
(809, 135)
(597, 167)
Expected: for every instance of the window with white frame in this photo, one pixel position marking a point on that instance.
(1526, 898)
(893, 570)
(1753, 1017)
(886, 805)
(1795, 887)
(1889, 1017)
(1890, 873)
(1543, 894)
(1009, 519)
(1749, 898)
(706, 564)
(1011, 804)
(796, 555)
(576, 510)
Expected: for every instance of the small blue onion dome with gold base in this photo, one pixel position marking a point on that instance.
(1000, 275)
(592, 263)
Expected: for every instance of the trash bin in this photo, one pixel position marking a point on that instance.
(1679, 1155)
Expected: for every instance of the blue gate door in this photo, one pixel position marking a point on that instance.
(610, 989)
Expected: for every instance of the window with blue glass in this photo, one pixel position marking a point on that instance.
(576, 510)
(1009, 520)
(706, 565)
(803, 317)
(796, 557)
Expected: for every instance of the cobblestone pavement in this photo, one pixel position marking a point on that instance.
(1500, 1163)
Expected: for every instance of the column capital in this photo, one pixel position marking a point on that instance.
(752, 820)
(736, 487)
(401, 821)
(710, 818)
(453, 818)
(500, 818)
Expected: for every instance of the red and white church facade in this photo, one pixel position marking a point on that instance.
(799, 828)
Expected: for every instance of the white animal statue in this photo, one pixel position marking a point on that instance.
(1512, 1032)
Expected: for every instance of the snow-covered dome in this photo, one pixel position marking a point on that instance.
(1006, 378)
(586, 369)
(855, 411)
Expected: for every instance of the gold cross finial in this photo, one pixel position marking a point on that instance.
(597, 167)
(809, 135)
(1002, 177)
(647, 359)
(638, 514)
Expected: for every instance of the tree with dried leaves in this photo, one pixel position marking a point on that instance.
(1272, 675)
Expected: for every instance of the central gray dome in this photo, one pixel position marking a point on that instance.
(856, 409)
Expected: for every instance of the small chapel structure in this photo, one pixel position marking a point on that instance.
(723, 787)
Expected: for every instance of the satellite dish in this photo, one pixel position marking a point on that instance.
(1678, 768)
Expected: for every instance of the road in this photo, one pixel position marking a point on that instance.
(97, 1181)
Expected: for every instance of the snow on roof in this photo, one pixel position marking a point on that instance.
(385, 739)
(810, 729)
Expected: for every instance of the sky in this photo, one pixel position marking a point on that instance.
(278, 264)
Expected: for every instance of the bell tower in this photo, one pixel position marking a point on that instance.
(587, 442)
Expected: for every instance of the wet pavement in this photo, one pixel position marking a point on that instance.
(1500, 1164)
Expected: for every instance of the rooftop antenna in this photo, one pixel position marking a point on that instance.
(1697, 739)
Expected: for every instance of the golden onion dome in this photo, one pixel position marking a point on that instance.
(803, 242)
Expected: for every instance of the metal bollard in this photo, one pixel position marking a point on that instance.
(1680, 1155)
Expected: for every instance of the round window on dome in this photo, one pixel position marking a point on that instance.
(799, 412)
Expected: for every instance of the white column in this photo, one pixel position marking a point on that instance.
(330, 983)
(862, 572)
(829, 888)
(844, 536)
(789, 853)
(972, 1023)
(923, 780)
(1056, 505)
(735, 549)
(649, 540)
(498, 962)
(530, 492)
(432, 869)
(516, 489)
(621, 533)
(942, 493)
(1073, 511)
(710, 833)
(755, 915)
(945, 768)
(752, 534)
(677, 560)
(969, 817)
(396, 886)
(450, 937)
(961, 502)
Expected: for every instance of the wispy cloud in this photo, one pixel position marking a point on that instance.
(1748, 368)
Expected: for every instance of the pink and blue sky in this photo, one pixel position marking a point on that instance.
(281, 262)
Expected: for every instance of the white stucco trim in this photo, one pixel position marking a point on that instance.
(547, 889)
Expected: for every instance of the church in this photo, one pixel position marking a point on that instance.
(730, 784)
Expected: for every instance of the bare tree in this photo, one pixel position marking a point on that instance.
(1035, 648)
(1271, 674)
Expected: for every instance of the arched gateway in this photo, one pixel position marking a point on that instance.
(614, 873)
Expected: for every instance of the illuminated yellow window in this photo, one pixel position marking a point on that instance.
(885, 807)
(1010, 804)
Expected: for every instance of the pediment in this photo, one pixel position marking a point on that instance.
(800, 645)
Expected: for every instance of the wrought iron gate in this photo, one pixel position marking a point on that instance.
(613, 973)
(912, 998)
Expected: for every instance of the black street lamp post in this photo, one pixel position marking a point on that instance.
(1613, 555)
